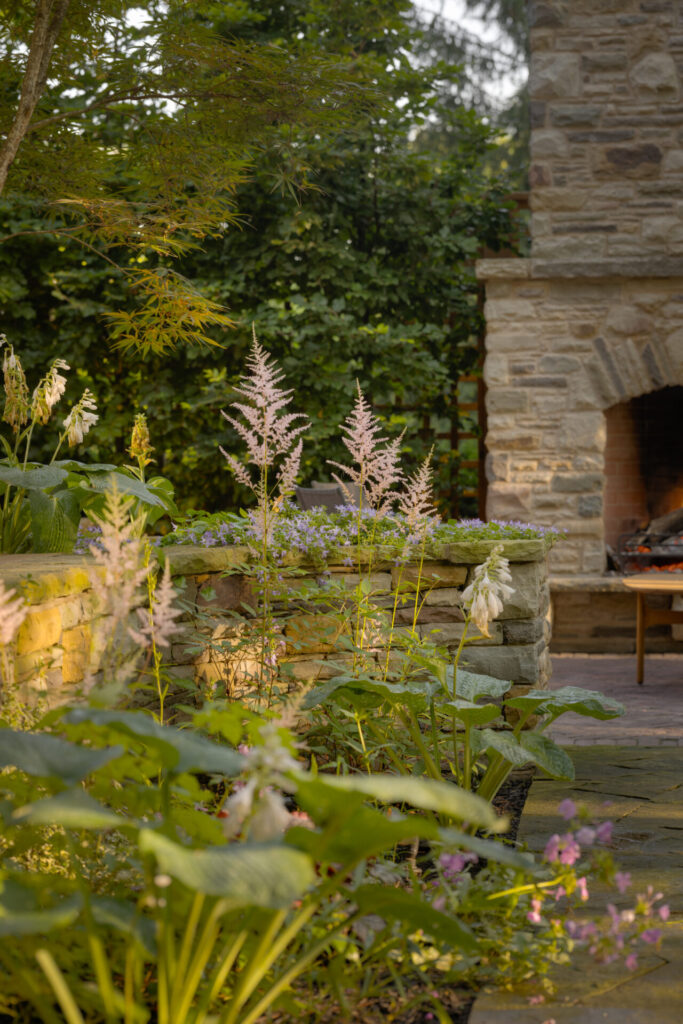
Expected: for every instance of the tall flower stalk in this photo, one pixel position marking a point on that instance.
(375, 471)
(416, 502)
(483, 601)
(273, 441)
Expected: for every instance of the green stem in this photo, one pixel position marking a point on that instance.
(60, 987)
(456, 659)
(431, 767)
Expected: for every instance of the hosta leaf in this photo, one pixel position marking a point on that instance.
(471, 685)
(125, 484)
(40, 478)
(180, 750)
(49, 757)
(54, 520)
(245, 874)
(15, 923)
(547, 755)
(398, 904)
(72, 809)
(469, 712)
(356, 831)
(124, 916)
(503, 743)
(489, 849)
(590, 703)
(425, 794)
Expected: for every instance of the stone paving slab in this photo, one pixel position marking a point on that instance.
(654, 711)
(641, 791)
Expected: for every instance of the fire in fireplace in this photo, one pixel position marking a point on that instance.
(658, 548)
(644, 477)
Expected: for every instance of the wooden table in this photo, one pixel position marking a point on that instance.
(653, 583)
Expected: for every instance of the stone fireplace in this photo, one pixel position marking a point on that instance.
(584, 347)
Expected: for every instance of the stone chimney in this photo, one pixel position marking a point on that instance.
(594, 318)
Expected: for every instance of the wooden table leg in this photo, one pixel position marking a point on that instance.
(640, 637)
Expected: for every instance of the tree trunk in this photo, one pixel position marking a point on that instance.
(48, 22)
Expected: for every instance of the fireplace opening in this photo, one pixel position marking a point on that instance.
(643, 462)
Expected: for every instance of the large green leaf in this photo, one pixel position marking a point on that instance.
(40, 478)
(471, 685)
(547, 755)
(73, 466)
(180, 750)
(54, 519)
(49, 757)
(126, 485)
(490, 849)
(398, 904)
(355, 830)
(502, 742)
(425, 794)
(591, 703)
(124, 916)
(469, 712)
(14, 923)
(367, 692)
(245, 874)
(71, 809)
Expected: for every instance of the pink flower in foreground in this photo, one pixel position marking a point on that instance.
(603, 832)
(652, 936)
(664, 912)
(586, 836)
(534, 915)
(622, 881)
(631, 961)
(569, 849)
(567, 809)
(582, 888)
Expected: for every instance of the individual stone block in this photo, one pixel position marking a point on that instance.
(655, 76)
(432, 576)
(71, 612)
(186, 559)
(554, 75)
(229, 593)
(519, 664)
(447, 597)
(312, 634)
(439, 613)
(40, 630)
(76, 653)
(527, 582)
(525, 631)
(450, 633)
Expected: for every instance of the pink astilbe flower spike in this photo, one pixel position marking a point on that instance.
(376, 466)
(12, 613)
(416, 500)
(117, 583)
(267, 434)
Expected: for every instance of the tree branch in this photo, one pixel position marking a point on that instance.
(48, 22)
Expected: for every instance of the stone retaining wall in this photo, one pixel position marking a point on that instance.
(213, 646)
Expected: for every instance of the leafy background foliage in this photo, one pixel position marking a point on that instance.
(349, 247)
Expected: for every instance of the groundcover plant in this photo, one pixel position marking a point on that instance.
(247, 859)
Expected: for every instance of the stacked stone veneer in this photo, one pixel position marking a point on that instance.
(595, 316)
(607, 128)
(64, 630)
